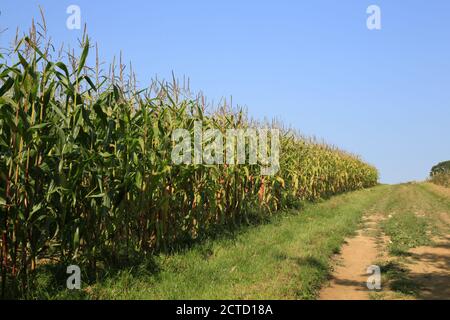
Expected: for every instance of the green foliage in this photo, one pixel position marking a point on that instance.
(442, 179)
(288, 258)
(406, 231)
(398, 277)
(440, 174)
(86, 174)
(441, 168)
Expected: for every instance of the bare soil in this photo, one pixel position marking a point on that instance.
(349, 279)
(426, 267)
(430, 269)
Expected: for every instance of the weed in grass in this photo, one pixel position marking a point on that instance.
(406, 230)
(396, 275)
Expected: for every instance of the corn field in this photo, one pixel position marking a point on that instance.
(86, 174)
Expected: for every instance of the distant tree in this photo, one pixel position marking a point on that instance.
(443, 167)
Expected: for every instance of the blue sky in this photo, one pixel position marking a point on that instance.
(313, 64)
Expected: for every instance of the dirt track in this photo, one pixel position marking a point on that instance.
(426, 268)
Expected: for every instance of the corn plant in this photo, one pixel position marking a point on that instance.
(86, 173)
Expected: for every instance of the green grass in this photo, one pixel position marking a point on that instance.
(410, 217)
(438, 196)
(287, 258)
(400, 284)
(413, 217)
(406, 231)
(397, 275)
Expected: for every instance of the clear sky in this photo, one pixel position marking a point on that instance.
(383, 94)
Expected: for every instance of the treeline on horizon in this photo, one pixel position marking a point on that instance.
(440, 174)
(86, 175)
